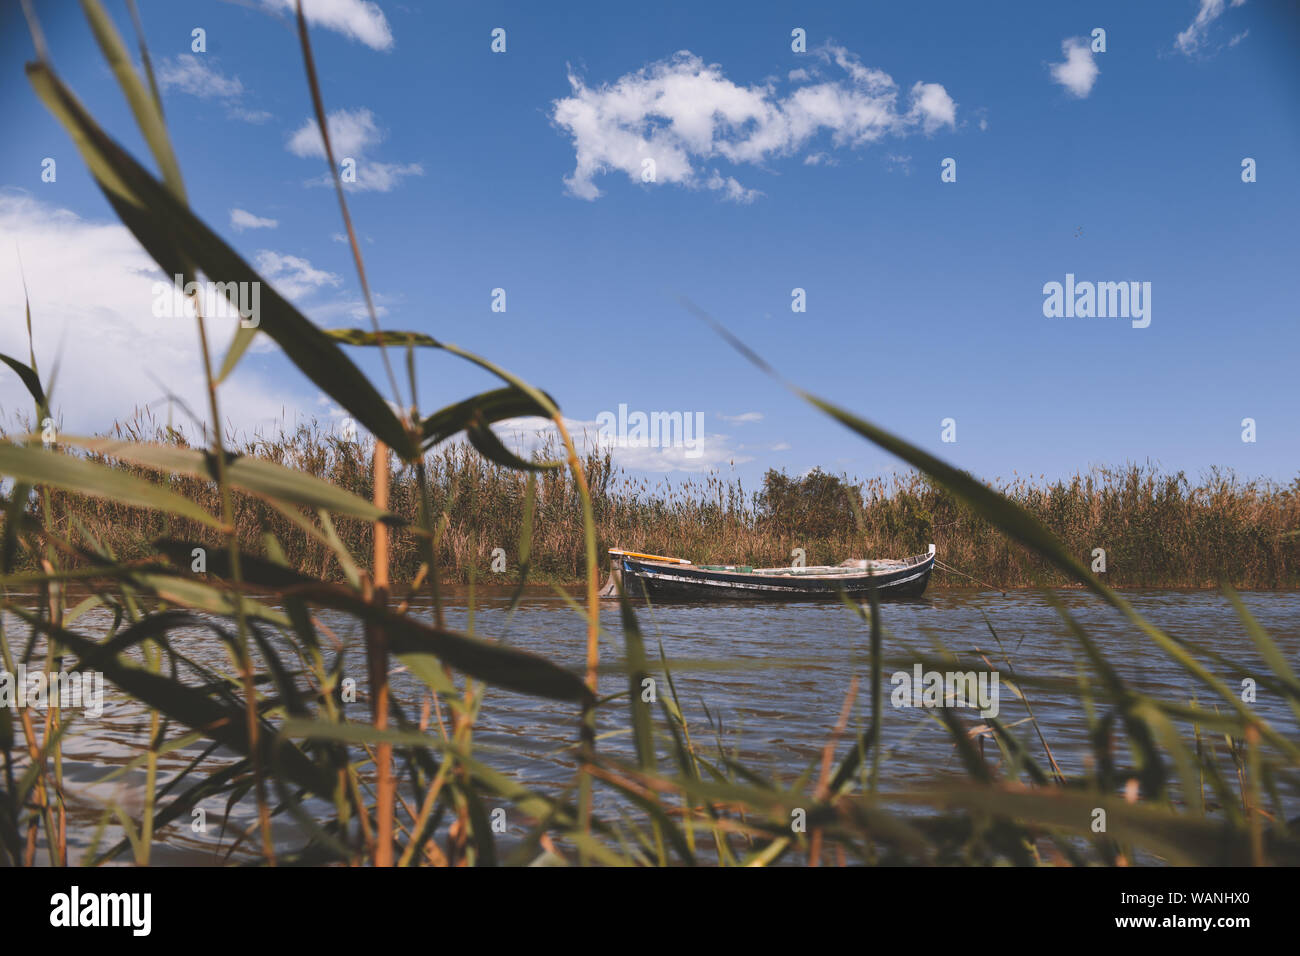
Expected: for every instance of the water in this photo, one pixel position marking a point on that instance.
(792, 665)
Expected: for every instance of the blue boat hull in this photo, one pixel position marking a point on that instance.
(672, 582)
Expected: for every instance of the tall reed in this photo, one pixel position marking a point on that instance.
(1157, 530)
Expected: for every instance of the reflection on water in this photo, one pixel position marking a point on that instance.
(773, 710)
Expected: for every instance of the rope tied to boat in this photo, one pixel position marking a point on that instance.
(949, 568)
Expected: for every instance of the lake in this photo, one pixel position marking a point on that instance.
(790, 667)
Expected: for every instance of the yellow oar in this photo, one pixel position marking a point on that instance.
(648, 557)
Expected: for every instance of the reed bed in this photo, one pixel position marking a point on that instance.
(1157, 530)
(1205, 780)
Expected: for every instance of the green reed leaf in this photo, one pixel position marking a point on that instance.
(1185, 840)
(263, 478)
(495, 664)
(30, 380)
(36, 466)
(189, 706)
(143, 105)
(487, 444)
(486, 408)
(175, 237)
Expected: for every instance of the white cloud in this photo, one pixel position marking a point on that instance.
(241, 219)
(352, 132)
(933, 106)
(355, 19)
(1191, 40)
(256, 117)
(352, 135)
(899, 161)
(374, 176)
(743, 418)
(188, 74)
(293, 276)
(713, 451)
(329, 313)
(683, 113)
(730, 188)
(92, 295)
(199, 76)
(1079, 71)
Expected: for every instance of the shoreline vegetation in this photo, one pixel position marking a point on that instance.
(1158, 530)
(290, 732)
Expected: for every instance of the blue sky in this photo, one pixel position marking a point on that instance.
(924, 298)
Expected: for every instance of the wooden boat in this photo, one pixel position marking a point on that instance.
(666, 578)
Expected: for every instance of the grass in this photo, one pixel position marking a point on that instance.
(1205, 781)
(1157, 530)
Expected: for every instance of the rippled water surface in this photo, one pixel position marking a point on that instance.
(791, 667)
